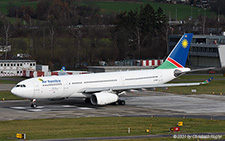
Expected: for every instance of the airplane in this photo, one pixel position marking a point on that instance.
(105, 88)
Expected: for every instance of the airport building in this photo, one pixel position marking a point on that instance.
(16, 67)
(203, 51)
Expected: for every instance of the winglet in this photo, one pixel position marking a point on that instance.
(207, 81)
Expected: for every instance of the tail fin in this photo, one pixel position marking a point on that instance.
(178, 56)
(63, 69)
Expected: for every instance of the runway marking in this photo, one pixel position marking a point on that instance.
(19, 108)
(68, 106)
(85, 108)
(51, 108)
(34, 110)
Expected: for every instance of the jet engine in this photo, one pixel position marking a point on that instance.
(103, 98)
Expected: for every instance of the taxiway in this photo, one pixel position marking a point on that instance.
(137, 104)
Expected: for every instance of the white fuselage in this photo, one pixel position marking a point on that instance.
(73, 85)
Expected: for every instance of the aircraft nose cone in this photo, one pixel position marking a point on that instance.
(22, 92)
(17, 92)
(14, 91)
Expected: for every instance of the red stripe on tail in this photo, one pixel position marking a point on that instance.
(175, 63)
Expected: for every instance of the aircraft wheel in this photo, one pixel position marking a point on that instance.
(121, 102)
(87, 100)
(33, 105)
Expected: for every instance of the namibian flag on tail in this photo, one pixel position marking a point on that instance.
(178, 56)
(63, 69)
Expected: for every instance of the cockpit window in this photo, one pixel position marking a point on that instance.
(22, 85)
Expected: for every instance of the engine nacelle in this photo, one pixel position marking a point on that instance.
(103, 98)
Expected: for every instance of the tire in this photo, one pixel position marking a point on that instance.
(87, 100)
(33, 105)
(121, 102)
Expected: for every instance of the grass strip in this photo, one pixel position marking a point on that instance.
(216, 86)
(104, 126)
(6, 95)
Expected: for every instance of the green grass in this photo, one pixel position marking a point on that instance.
(3, 81)
(109, 7)
(8, 96)
(8, 82)
(216, 86)
(103, 126)
(4, 4)
(183, 11)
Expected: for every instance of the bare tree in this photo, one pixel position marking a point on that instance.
(51, 39)
(5, 33)
(77, 34)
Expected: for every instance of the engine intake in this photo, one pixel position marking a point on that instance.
(103, 98)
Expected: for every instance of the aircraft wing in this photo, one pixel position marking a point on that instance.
(138, 87)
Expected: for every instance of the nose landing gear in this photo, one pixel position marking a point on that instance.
(33, 103)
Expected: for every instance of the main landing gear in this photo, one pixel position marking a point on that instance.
(121, 102)
(33, 103)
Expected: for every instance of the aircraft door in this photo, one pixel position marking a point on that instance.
(65, 86)
(36, 88)
(160, 78)
(122, 80)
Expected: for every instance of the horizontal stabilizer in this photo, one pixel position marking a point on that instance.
(202, 69)
(179, 73)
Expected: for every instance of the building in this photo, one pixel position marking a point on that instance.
(16, 67)
(203, 50)
(222, 55)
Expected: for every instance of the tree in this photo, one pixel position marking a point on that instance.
(77, 35)
(140, 29)
(43, 9)
(12, 9)
(5, 32)
(218, 6)
(51, 39)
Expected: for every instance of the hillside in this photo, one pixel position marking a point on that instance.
(183, 11)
